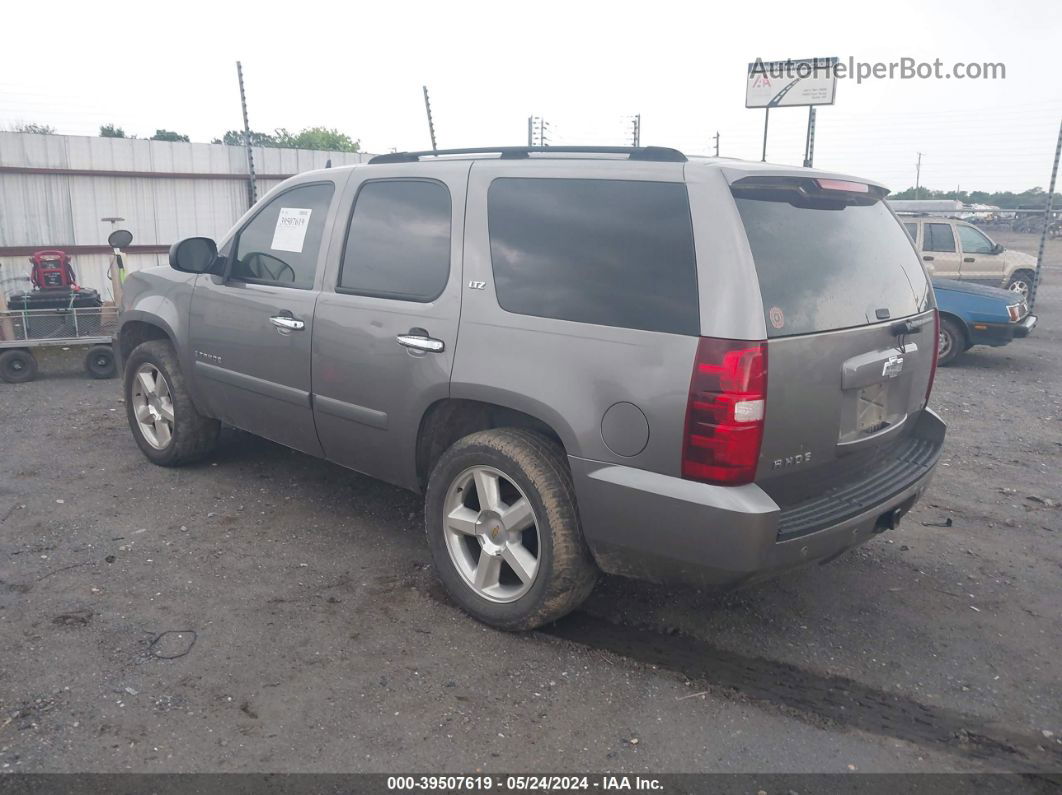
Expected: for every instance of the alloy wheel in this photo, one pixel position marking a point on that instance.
(153, 406)
(492, 534)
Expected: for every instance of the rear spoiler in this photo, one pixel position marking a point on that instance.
(827, 193)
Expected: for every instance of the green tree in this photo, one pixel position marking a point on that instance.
(33, 127)
(235, 138)
(169, 135)
(318, 138)
(110, 131)
(323, 138)
(1006, 200)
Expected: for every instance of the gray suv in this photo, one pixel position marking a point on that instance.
(586, 359)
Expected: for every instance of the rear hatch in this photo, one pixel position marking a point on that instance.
(851, 340)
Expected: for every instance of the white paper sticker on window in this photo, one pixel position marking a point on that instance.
(291, 229)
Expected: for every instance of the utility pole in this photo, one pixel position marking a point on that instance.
(543, 125)
(431, 124)
(636, 130)
(252, 185)
(918, 177)
(1047, 220)
(717, 143)
(809, 144)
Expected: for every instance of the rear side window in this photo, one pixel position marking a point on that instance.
(912, 231)
(830, 265)
(611, 252)
(281, 243)
(398, 242)
(939, 238)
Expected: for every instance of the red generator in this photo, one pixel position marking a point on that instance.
(52, 271)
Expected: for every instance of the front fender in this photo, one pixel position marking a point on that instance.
(160, 297)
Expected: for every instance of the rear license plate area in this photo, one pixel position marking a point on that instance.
(872, 408)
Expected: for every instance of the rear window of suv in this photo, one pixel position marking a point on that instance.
(828, 259)
(611, 252)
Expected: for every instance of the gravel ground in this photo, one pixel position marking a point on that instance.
(266, 611)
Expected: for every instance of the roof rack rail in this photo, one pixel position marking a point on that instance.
(653, 153)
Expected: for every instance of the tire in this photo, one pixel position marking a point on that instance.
(529, 466)
(952, 341)
(191, 436)
(99, 362)
(1021, 282)
(17, 366)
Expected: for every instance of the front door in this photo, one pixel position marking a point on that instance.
(939, 250)
(250, 333)
(980, 262)
(385, 330)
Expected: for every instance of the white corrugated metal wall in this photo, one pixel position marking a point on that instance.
(47, 200)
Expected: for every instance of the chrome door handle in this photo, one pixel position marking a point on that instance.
(287, 322)
(420, 342)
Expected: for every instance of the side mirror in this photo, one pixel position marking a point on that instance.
(193, 254)
(998, 248)
(119, 238)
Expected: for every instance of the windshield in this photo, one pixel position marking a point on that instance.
(828, 262)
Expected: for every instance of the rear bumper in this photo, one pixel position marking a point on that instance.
(662, 528)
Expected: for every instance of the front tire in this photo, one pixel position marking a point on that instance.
(504, 532)
(165, 423)
(952, 341)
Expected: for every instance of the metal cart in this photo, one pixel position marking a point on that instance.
(22, 330)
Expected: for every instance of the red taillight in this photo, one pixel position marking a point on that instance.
(724, 414)
(936, 353)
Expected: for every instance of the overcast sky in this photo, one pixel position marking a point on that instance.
(586, 67)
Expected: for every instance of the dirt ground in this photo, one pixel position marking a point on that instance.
(266, 611)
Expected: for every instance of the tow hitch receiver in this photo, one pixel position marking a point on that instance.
(890, 519)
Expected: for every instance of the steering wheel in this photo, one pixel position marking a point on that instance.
(255, 262)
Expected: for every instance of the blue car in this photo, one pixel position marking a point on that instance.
(972, 314)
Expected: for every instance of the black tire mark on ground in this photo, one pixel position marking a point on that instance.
(836, 699)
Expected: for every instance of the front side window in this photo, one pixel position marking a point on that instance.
(912, 231)
(281, 243)
(938, 238)
(610, 252)
(973, 242)
(398, 241)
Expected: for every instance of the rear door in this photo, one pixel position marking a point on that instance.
(250, 333)
(939, 251)
(836, 272)
(385, 330)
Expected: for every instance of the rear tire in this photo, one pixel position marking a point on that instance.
(952, 341)
(521, 473)
(165, 423)
(18, 366)
(1021, 282)
(99, 362)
